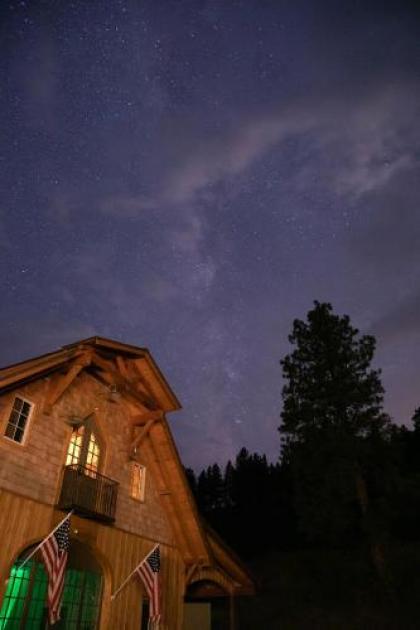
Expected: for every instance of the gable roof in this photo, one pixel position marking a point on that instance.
(136, 376)
(45, 364)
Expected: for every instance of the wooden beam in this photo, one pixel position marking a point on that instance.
(122, 366)
(185, 505)
(133, 375)
(141, 419)
(139, 379)
(190, 572)
(115, 377)
(176, 482)
(167, 500)
(59, 385)
(140, 437)
(29, 369)
(214, 573)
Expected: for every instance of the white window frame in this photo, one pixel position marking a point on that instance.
(28, 421)
(140, 495)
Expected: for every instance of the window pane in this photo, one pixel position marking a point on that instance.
(14, 417)
(138, 481)
(73, 451)
(18, 419)
(92, 456)
(22, 422)
(18, 404)
(26, 408)
(24, 604)
(10, 431)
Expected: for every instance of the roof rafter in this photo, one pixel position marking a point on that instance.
(114, 377)
(167, 499)
(183, 504)
(59, 385)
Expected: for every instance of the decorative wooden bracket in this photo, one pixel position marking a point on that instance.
(190, 572)
(59, 385)
(150, 420)
(141, 419)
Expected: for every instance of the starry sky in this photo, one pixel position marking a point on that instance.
(189, 175)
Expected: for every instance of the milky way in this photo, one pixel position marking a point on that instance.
(190, 176)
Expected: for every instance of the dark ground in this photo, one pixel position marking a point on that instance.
(333, 590)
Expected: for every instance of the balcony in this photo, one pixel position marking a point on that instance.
(88, 493)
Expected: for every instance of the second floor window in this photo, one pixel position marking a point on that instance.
(138, 481)
(84, 449)
(18, 420)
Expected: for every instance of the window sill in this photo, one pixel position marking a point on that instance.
(137, 500)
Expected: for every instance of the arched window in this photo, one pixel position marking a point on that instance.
(24, 601)
(84, 448)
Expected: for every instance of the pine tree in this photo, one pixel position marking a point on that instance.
(332, 426)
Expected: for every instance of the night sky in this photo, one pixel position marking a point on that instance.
(189, 176)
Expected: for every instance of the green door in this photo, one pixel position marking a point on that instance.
(24, 603)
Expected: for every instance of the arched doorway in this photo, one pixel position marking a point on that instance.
(24, 602)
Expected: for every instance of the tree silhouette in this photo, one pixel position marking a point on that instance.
(333, 429)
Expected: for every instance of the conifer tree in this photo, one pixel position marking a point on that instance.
(332, 425)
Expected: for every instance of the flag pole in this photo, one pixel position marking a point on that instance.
(33, 552)
(132, 573)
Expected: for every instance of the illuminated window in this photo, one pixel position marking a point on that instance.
(18, 420)
(75, 447)
(138, 481)
(84, 449)
(92, 455)
(24, 604)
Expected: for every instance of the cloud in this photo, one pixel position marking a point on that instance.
(357, 145)
(401, 320)
(210, 161)
(188, 237)
(371, 171)
(390, 236)
(379, 139)
(232, 153)
(350, 146)
(386, 247)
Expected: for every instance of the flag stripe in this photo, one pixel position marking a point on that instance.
(148, 571)
(54, 553)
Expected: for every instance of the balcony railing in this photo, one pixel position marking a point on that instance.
(88, 493)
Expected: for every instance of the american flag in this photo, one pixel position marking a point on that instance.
(54, 553)
(148, 572)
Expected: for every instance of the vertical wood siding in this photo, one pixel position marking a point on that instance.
(24, 522)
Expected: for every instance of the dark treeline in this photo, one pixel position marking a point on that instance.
(346, 474)
(332, 529)
(251, 502)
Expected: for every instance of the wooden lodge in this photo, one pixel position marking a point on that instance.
(84, 429)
